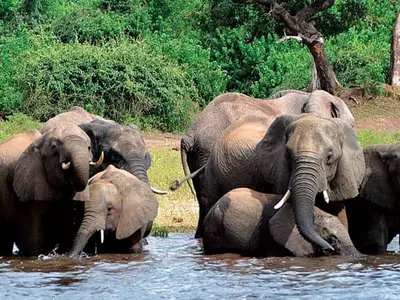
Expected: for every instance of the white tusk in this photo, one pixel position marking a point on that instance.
(102, 236)
(283, 200)
(326, 197)
(65, 166)
(98, 162)
(158, 192)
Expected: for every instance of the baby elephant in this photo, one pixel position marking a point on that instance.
(121, 207)
(244, 221)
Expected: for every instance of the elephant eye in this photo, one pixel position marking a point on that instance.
(89, 148)
(109, 207)
(329, 157)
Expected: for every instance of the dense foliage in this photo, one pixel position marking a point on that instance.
(157, 62)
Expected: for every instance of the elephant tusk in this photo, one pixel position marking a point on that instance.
(65, 166)
(158, 192)
(99, 162)
(102, 236)
(326, 197)
(283, 200)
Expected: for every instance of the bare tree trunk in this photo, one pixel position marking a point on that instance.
(395, 55)
(325, 72)
(301, 28)
(314, 78)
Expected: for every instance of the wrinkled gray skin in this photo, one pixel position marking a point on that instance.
(303, 153)
(227, 108)
(244, 221)
(35, 188)
(123, 147)
(120, 204)
(10, 151)
(374, 215)
(76, 115)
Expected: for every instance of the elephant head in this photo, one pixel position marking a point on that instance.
(308, 155)
(382, 176)
(119, 202)
(325, 105)
(285, 232)
(55, 166)
(123, 147)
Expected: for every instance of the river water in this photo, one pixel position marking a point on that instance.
(175, 268)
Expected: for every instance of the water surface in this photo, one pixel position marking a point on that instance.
(175, 268)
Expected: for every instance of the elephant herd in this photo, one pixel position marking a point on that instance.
(288, 176)
(281, 176)
(48, 201)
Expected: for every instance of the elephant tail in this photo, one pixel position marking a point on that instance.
(177, 183)
(186, 144)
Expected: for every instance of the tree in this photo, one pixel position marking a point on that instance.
(395, 55)
(301, 28)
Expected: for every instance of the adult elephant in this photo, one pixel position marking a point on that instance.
(227, 108)
(121, 205)
(302, 155)
(76, 115)
(10, 151)
(244, 221)
(123, 147)
(374, 215)
(51, 170)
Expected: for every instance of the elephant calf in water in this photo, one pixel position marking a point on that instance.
(121, 207)
(245, 221)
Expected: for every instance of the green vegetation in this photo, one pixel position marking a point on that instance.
(178, 211)
(371, 137)
(157, 63)
(15, 124)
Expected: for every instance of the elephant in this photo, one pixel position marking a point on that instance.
(123, 147)
(305, 157)
(245, 222)
(374, 215)
(76, 115)
(10, 151)
(226, 109)
(121, 205)
(37, 183)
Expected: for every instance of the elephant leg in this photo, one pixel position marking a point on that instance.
(7, 241)
(336, 208)
(204, 207)
(367, 226)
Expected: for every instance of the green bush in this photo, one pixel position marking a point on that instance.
(125, 80)
(206, 75)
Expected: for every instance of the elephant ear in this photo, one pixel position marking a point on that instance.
(381, 167)
(284, 231)
(139, 205)
(351, 167)
(270, 152)
(30, 179)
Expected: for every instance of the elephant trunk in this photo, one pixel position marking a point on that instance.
(137, 167)
(79, 156)
(305, 183)
(91, 223)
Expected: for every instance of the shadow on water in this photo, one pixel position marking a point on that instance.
(175, 267)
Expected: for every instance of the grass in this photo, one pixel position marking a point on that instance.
(15, 124)
(178, 211)
(371, 137)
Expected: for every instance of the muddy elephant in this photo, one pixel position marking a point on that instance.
(224, 110)
(76, 115)
(10, 151)
(245, 221)
(304, 157)
(374, 215)
(38, 183)
(120, 206)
